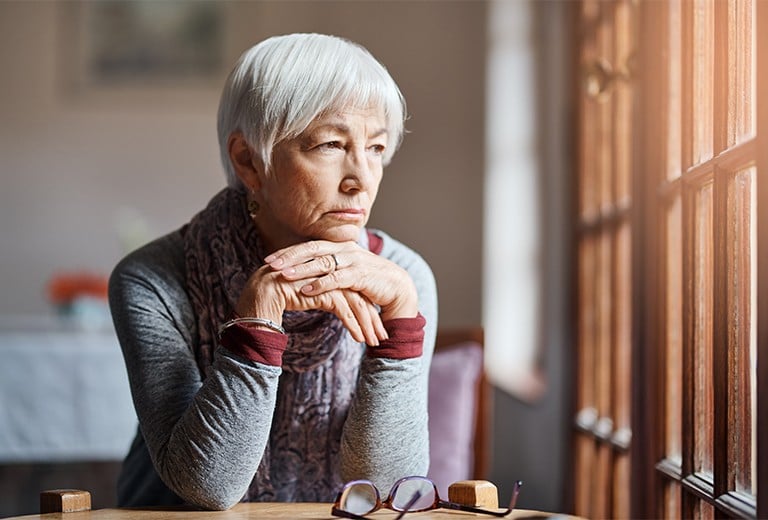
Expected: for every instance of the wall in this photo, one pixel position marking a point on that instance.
(75, 165)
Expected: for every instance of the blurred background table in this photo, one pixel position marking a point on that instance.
(67, 415)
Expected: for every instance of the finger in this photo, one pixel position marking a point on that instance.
(339, 279)
(341, 308)
(355, 312)
(298, 254)
(361, 307)
(319, 266)
(378, 325)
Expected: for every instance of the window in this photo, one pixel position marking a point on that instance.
(669, 311)
(604, 245)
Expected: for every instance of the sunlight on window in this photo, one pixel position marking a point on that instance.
(511, 296)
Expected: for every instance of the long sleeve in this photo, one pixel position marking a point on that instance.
(205, 439)
(386, 436)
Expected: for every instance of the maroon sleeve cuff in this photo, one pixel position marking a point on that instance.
(406, 339)
(261, 346)
(375, 243)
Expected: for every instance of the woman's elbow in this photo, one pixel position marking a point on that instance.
(212, 499)
(205, 491)
(218, 503)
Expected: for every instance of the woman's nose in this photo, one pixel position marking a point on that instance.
(357, 174)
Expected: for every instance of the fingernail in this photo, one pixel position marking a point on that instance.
(269, 259)
(275, 263)
(289, 271)
(306, 289)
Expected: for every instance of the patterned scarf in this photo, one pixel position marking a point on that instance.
(320, 364)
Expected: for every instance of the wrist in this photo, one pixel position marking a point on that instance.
(261, 346)
(266, 305)
(260, 313)
(405, 306)
(251, 322)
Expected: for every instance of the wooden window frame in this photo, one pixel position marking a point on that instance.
(650, 470)
(717, 304)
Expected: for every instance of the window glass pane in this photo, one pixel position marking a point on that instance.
(622, 363)
(587, 317)
(621, 486)
(741, 71)
(741, 326)
(601, 482)
(589, 127)
(703, 511)
(605, 346)
(604, 109)
(701, 304)
(700, 86)
(585, 458)
(673, 332)
(623, 94)
(674, 101)
(671, 504)
(588, 206)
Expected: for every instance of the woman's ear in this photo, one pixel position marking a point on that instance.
(244, 161)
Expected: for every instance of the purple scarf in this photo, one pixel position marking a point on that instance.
(320, 364)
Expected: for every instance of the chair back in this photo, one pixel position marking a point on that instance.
(459, 408)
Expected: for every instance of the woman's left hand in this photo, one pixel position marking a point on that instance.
(345, 265)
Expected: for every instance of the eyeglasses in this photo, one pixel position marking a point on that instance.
(409, 494)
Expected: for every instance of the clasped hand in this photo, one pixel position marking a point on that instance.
(337, 277)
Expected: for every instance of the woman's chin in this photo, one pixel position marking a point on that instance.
(341, 234)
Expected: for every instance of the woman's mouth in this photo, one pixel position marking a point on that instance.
(348, 214)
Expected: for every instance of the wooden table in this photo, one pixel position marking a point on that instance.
(267, 510)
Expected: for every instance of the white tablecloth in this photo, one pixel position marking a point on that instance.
(64, 396)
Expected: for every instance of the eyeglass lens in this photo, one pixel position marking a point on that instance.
(413, 494)
(359, 498)
(407, 489)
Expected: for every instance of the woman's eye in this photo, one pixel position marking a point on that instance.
(330, 145)
(378, 149)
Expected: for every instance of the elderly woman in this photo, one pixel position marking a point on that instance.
(275, 346)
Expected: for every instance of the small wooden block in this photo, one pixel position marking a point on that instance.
(64, 501)
(478, 493)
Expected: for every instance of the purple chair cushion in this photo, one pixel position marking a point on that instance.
(452, 405)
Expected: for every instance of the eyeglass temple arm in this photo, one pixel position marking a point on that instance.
(515, 493)
(335, 511)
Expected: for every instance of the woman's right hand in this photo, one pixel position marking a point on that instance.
(331, 266)
(267, 293)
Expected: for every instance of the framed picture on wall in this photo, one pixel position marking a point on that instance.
(133, 45)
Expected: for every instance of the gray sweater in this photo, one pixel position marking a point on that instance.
(201, 441)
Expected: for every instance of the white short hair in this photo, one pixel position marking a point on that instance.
(279, 86)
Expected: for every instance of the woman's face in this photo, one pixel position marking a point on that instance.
(324, 182)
